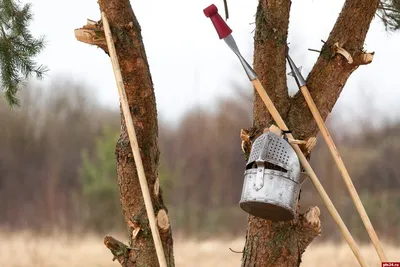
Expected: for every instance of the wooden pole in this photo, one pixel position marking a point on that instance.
(344, 173)
(281, 124)
(134, 143)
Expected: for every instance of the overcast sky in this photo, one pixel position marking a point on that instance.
(190, 65)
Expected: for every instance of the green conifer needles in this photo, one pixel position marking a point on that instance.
(17, 49)
(389, 13)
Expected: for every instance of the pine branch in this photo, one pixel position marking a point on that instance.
(389, 13)
(18, 48)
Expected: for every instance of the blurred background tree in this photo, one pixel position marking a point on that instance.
(63, 176)
(99, 184)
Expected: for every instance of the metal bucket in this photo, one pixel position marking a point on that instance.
(272, 179)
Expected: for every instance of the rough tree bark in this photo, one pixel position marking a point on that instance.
(282, 244)
(267, 243)
(139, 90)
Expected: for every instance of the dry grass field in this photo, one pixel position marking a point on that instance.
(28, 250)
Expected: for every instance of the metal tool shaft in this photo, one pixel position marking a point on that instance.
(247, 68)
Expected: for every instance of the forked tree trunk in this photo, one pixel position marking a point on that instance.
(267, 244)
(282, 244)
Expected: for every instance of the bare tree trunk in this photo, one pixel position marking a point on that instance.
(139, 90)
(282, 244)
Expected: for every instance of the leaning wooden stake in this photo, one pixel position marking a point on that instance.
(346, 177)
(224, 33)
(338, 160)
(281, 124)
(134, 143)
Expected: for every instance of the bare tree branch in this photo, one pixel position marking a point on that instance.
(226, 9)
(331, 71)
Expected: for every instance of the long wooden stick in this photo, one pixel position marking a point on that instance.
(134, 143)
(344, 173)
(224, 32)
(281, 124)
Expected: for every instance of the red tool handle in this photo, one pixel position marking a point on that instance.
(222, 28)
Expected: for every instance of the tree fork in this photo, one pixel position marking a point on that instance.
(282, 244)
(141, 99)
(277, 243)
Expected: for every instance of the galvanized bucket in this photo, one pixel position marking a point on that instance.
(272, 179)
